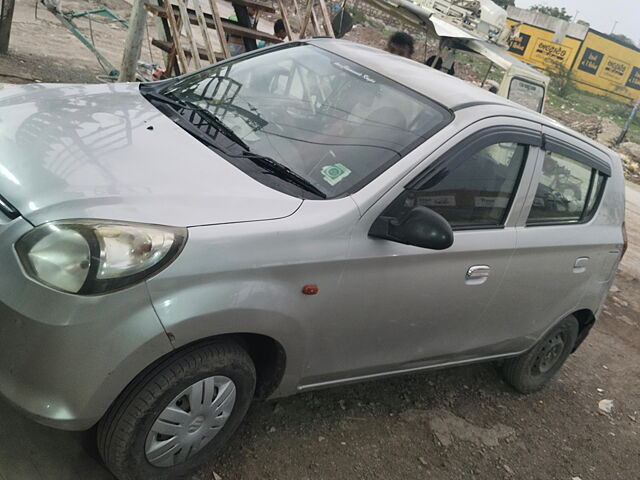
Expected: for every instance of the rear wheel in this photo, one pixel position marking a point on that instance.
(176, 416)
(533, 370)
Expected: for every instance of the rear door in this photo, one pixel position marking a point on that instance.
(562, 244)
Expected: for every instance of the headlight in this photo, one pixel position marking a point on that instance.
(92, 256)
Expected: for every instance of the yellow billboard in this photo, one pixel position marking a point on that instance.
(535, 46)
(599, 64)
(607, 67)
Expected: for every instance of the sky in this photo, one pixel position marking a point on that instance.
(601, 14)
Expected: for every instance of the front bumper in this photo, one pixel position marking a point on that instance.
(65, 358)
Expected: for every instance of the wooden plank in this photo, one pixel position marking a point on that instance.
(327, 19)
(172, 60)
(228, 26)
(202, 53)
(315, 23)
(202, 23)
(133, 45)
(220, 30)
(231, 27)
(6, 18)
(296, 11)
(285, 19)
(175, 35)
(265, 7)
(187, 24)
(307, 17)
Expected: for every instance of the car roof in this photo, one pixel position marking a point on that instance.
(449, 91)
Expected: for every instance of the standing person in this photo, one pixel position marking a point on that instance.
(279, 30)
(237, 44)
(401, 43)
(444, 59)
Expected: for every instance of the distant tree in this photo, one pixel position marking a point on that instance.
(505, 3)
(623, 39)
(560, 13)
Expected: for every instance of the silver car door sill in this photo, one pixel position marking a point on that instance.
(374, 376)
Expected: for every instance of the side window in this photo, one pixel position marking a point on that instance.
(471, 192)
(595, 194)
(568, 191)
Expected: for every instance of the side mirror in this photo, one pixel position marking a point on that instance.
(421, 227)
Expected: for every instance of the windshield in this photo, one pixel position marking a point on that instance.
(332, 124)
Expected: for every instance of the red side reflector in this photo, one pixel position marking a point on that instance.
(310, 289)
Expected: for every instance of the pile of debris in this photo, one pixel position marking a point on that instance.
(630, 153)
(591, 126)
(607, 132)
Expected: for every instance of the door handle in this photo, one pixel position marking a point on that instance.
(477, 274)
(580, 266)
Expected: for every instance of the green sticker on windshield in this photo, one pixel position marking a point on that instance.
(335, 173)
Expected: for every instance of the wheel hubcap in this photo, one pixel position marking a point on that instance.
(190, 421)
(549, 354)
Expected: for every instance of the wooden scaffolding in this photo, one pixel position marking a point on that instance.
(193, 34)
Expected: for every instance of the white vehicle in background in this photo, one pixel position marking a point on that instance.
(478, 27)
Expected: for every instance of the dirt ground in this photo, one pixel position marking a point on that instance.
(42, 50)
(450, 424)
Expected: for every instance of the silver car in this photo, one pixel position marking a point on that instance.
(304, 216)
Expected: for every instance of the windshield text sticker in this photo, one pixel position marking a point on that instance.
(333, 174)
(347, 68)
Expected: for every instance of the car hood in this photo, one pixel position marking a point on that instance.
(103, 151)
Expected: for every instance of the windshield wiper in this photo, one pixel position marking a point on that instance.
(218, 124)
(166, 99)
(273, 167)
(285, 173)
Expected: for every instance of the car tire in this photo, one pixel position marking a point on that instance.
(176, 415)
(532, 370)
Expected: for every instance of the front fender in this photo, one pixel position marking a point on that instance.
(205, 310)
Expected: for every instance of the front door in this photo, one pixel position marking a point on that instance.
(410, 307)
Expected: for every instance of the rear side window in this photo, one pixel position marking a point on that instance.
(568, 192)
(595, 194)
(474, 193)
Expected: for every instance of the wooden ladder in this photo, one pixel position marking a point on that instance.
(178, 16)
(310, 16)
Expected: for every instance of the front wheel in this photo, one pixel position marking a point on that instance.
(175, 417)
(532, 370)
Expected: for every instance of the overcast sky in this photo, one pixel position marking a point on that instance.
(601, 14)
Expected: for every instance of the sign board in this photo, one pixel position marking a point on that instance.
(590, 61)
(536, 47)
(548, 52)
(599, 63)
(634, 79)
(607, 67)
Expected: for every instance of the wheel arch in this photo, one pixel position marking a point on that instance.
(586, 319)
(268, 355)
(269, 358)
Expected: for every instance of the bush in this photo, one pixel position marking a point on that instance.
(561, 79)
